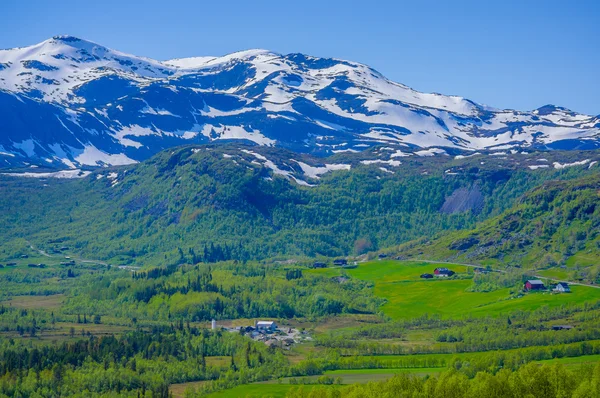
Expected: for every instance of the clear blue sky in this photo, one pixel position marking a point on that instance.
(509, 54)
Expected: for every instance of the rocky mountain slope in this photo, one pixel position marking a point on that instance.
(68, 102)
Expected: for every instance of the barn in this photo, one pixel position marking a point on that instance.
(534, 284)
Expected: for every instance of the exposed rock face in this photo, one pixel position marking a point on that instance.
(463, 199)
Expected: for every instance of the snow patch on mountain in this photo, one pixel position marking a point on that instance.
(558, 165)
(131, 107)
(236, 133)
(431, 152)
(394, 163)
(58, 174)
(92, 156)
(317, 171)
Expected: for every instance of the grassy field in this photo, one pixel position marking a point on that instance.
(555, 273)
(409, 296)
(259, 390)
(574, 362)
(363, 376)
(218, 361)
(178, 390)
(582, 259)
(35, 302)
(61, 331)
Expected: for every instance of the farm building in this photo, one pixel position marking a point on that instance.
(562, 287)
(319, 265)
(534, 284)
(382, 255)
(340, 261)
(562, 327)
(443, 272)
(265, 326)
(426, 276)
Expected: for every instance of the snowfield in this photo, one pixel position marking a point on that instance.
(97, 106)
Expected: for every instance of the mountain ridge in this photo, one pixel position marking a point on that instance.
(68, 102)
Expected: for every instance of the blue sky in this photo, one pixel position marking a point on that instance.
(509, 54)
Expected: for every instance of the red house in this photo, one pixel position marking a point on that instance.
(534, 284)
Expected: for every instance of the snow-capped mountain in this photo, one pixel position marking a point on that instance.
(68, 101)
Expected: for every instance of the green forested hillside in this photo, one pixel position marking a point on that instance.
(556, 225)
(214, 203)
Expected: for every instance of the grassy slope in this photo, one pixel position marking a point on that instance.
(409, 296)
(257, 391)
(555, 225)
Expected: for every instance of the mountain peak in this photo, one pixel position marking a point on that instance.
(549, 109)
(205, 61)
(76, 102)
(67, 39)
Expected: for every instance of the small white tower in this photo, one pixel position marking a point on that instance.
(213, 324)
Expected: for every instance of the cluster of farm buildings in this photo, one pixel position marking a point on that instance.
(441, 272)
(530, 285)
(538, 285)
(269, 333)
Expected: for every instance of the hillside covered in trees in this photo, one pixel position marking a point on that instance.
(215, 203)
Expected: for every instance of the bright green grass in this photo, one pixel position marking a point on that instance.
(409, 296)
(328, 272)
(348, 372)
(582, 259)
(554, 273)
(363, 376)
(394, 359)
(574, 361)
(392, 271)
(259, 390)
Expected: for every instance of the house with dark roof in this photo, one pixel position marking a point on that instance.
(319, 264)
(443, 272)
(562, 287)
(534, 284)
(562, 327)
(340, 261)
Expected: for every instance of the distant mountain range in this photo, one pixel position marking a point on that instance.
(67, 103)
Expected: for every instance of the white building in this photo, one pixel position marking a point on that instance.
(562, 287)
(265, 326)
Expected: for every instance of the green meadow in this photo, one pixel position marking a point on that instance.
(261, 390)
(574, 362)
(409, 296)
